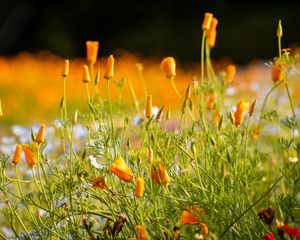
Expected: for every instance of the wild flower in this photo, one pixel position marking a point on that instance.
(240, 112)
(121, 169)
(207, 20)
(230, 73)
(211, 102)
(277, 72)
(141, 233)
(65, 70)
(92, 51)
(30, 151)
(149, 112)
(99, 182)
(40, 137)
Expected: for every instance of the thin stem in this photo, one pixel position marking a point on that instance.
(174, 87)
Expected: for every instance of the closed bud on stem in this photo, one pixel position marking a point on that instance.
(17, 154)
(75, 117)
(86, 74)
(150, 155)
(212, 27)
(149, 106)
(139, 190)
(109, 71)
(40, 137)
(159, 114)
(211, 40)
(65, 71)
(277, 72)
(230, 73)
(252, 108)
(188, 91)
(168, 65)
(184, 106)
(168, 115)
(207, 21)
(97, 77)
(1, 113)
(279, 29)
(92, 51)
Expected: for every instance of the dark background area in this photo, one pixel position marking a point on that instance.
(246, 30)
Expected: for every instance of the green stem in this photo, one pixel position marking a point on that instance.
(174, 87)
(251, 206)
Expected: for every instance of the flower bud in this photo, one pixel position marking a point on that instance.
(65, 71)
(168, 65)
(92, 51)
(86, 74)
(149, 106)
(17, 154)
(109, 71)
(139, 190)
(207, 21)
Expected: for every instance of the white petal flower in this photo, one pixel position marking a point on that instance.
(95, 163)
(293, 159)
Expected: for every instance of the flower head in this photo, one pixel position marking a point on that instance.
(188, 218)
(109, 71)
(17, 154)
(168, 65)
(159, 175)
(207, 21)
(99, 182)
(240, 112)
(92, 51)
(30, 151)
(120, 168)
(230, 73)
(141, 233)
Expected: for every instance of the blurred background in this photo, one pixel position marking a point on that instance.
(246, 30)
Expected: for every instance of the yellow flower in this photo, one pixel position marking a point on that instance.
(149, 106)
(141, 233)
(65, 71)
(168, 65)
(230, 73)
(17, 154)
(120, 168)
(40, 138)
(30, 151)
(240, 112)
(109, 71)
(139, 190)
(86, 74)
(92, 51)
(207, 21)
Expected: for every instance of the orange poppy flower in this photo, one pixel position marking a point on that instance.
(149, 106)
(255, 132)
(65, 71)
(168, 65)
(92, 51)
(159, 175)
(86, 74)
(99, 182)
(139, 190)
(141, 232)
(120, 168)
(230, 73)
(30, 151)
(212, 27)
(17, 154)
(188, 218)
(207, 21)
(277, 72)
(211, 40)
(109, 71)
(40, 138)
(240, 112)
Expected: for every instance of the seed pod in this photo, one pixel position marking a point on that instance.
(184, 106)
(159, 114)
(97, 77)
(279, 29)
(75, 117)
(168, 115)
(252, 108)
(188, 91)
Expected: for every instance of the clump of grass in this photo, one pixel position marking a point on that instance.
(218, 174)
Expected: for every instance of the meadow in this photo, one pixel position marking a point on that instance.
(122, 147)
